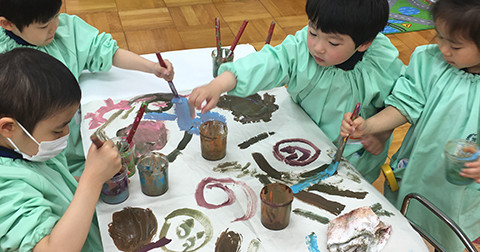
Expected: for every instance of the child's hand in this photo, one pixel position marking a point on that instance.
(165, 73)
(373, 144)
(211, 92)
(102, 164)
(352, 128)
(472, 171)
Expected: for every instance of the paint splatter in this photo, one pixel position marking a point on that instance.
(316, 200)
(311, 215)
(97, 118)
(150, 136)
(377, 208)
(189, 236)
(292, 158)
(354, 177)
(333, 190)
(210, 183)
(311, 241)
(255, 140)
(250, 109)
(233, 166)
(228, 241)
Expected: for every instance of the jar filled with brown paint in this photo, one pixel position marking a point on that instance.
(213, 140)
(276, 206)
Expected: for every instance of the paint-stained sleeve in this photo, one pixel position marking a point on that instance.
(25, 216)
(268, 68)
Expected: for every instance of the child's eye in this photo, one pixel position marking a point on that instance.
(313, 34)
(334, 44)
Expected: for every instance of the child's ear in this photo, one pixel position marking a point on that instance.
(363, 47)
(6, 24)
(7, 126)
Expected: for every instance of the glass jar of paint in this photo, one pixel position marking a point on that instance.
(456, 153)
(213, 140)
(115, 190)
(218, 60)
(276, 205)
(153, 172)
(127, 153)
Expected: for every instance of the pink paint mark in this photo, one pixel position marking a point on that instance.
(477, 241)
(219, 183)
(98, 117)
(150, 136)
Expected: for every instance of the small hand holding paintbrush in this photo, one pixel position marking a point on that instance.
(341, 145)
(170, 83)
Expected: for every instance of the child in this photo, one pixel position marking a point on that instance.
(37, 24)
(439, 96)
(338, 60)
(42, 206)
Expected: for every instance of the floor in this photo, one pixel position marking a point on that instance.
(148, 26)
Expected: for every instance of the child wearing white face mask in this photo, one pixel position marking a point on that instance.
(42, 207)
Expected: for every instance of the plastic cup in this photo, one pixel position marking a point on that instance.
(213, 140)
(153, 171)
(217, 61)
(276, 205)
(115, 190)
(456, 153)
(127, 153)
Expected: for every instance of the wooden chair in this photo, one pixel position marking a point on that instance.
(455, 228)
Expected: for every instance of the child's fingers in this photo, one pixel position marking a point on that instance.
(210, 105)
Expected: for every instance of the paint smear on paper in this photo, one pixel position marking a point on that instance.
(249, 109)
(295, 154)
(228, 241)
(233, 166)
(98, 119)
(254, 245)
(316, 200)
(158, 244)
(150, 136)
(333, 190)
(210, 183)
(311, 241)
(189, 235)
(255, 140)
(353, 177)
(377, 208)
(311, 215)
(181, 146)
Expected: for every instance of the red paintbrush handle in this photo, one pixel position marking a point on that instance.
(239, 34)
(270, 33)
(160, 60)
(217, 36)
(136, 123)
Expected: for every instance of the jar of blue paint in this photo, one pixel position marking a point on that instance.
(153, 171)
(115, 190)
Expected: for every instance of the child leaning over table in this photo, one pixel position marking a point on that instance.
(338, 60)
(38, 24)
(439, 96)
(42, 207)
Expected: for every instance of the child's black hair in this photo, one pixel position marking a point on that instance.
(22, 13)
(461, 18)
(34, 86)
(362, 20)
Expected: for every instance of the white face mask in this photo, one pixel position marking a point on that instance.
(46, 149)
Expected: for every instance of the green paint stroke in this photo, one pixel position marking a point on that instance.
(378, 210)
(311, 215)
(233, 166)
(187, 225)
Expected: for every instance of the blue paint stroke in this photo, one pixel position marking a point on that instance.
(160, 116)
(311, 241)
(315, 179)
(182, 110)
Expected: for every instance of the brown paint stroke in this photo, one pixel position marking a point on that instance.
(228, 241)
(266, 167)
(320, 202)
(255, 139)
(377, 208)
(333, 190)
(249, 109)
(233, 166)
(314, 171)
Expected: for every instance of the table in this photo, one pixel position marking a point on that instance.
(206, 198)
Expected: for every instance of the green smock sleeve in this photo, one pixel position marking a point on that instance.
(324, 93)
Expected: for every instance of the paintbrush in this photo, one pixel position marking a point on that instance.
(170, 83)
(98, 138)
(341, 145)
(237, 38)
(217, 36)
(138, 118)
(270, 33)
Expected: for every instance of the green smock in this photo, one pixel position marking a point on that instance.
(325, 93)
(442, 103)
(34, 196)
(80, 47)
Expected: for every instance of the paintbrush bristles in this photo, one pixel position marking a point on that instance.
(237, 38)
(270, 33)
(217, 36)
